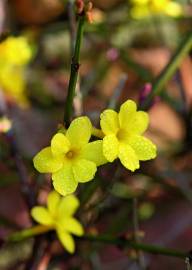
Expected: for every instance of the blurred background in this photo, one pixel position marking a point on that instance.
(125, 48)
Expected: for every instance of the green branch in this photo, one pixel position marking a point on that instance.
(122, 242)
(27, 233)
(74, 70)
(169, 70)
(97, 133)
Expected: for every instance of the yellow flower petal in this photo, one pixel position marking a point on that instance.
(44, 161)
(128, 157)
(158, 6)
(59, 144)
(139, 123)
(79, 131)
(53, 200)
(41, 215)
(12, 81)
(138, 12)
(68, 205)
(143, 147)
(140, 2)
(109, 122)
(94, 152)
(173, 9)
(67, 240)
(73, 226)
(64, 181)
(126, 113)
(110, 147)
(84, 170)
(16, 50)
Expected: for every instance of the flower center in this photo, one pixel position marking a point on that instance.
(121, 135)
(71, 154)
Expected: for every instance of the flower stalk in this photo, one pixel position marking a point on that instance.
(169, 70)
(97, 133)
(27, 233)
(74, 69)
(122, 242)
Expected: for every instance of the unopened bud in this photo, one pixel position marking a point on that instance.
(88, 11)
(80, 6)
(5, 125)
(89, 6)
(89, 16)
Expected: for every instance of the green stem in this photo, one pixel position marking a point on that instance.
(97, 133)
(27, 233)
(137, 246)
(40, 229)
(74, 70)
(169, 70)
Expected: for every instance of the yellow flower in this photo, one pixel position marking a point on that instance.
(70, 158)
(5, 124)
(59, 216)
(143, 8)
(12, 81)
(123, 136)
(15, 53)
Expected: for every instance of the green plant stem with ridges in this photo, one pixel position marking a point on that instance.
(169, 70)
(74, 70)
(121, 242)
(97, 133)
(27, 233)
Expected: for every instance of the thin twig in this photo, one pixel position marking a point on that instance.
(121, 242)
(169, 70)
(72, 24)
(39, 248)
(74, 70)
(25, 180)
(141, 259)
(44, 262)
(77, 101)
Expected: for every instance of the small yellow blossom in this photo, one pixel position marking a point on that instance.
(143, 8)
(15, 53)
(15, 50)
(59, 216)
(71, 158)
(5, 124)
(12, 82)
(123, 136)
